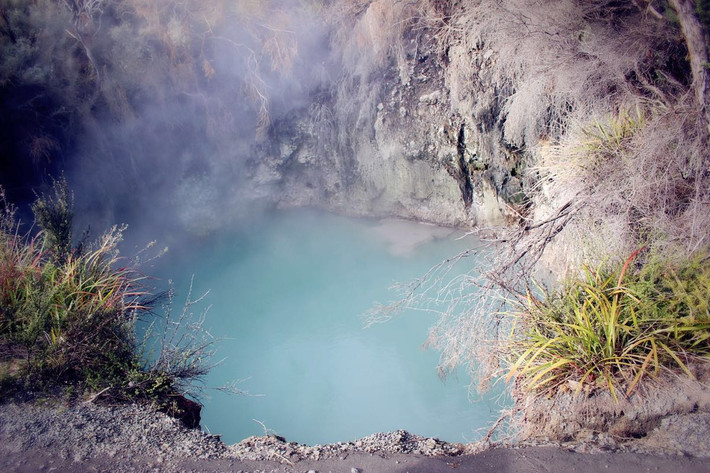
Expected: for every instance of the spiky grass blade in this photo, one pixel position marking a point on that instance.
(615, 326)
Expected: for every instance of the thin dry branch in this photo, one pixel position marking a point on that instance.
(185, 349)
(473, 326)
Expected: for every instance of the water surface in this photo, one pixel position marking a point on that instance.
(286, 299)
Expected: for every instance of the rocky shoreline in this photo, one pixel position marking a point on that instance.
(39, 436)
(85, 430)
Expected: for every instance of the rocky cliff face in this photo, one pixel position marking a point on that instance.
(399, 141)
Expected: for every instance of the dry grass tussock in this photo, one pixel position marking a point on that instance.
(612, 329)
(370, 33)
(551, 59)
(645, 166)
(564, 56)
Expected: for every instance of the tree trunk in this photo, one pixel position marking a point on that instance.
(697, 48)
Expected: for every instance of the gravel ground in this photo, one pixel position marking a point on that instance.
(132, 438)
(86, 430)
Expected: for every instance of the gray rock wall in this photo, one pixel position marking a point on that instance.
(416, 139)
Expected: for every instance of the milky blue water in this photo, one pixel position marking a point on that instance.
(286, 300)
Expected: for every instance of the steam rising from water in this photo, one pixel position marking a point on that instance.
(184, 108)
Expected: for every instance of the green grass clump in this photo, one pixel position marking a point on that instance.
(68, 315)
(610, 329)
(65, 316)
(72, 318)
(606, 142)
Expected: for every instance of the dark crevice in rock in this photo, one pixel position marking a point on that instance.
(464, 176)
